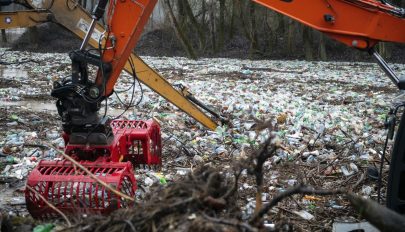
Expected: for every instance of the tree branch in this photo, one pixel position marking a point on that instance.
(299, 189)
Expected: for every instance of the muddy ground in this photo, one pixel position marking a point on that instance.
(329, 117)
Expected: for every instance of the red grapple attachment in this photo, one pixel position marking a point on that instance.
(135, 143)
(72, 191)
(141, 141)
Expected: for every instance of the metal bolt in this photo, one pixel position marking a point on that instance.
(94, 92)
(329, 18)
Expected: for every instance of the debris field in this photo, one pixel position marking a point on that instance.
(328, 118)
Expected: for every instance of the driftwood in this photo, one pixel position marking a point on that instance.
(381, 217)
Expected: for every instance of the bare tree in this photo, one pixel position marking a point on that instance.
(179, 32)
(307, 39)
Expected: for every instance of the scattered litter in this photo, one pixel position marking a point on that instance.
(373, 173)
(311, 198)
(14, 117)
(270, 226)
(313, 153)
(292, 182)
(366, 190)
(346, 226)
(148, 181)
(198, 159)
(307, 114)
(14, 123)
(304, 214)
(44, 228)
(334, 205)
(160, 177)
(52, 135)
(183, 171)
(17, 201)
(353, 169)
(192, 217)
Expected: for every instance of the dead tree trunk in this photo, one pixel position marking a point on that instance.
(231, 24)
(221, 38)
(179, 32)
(384, 49)
(307, 39)
(180, 13)
(213, 34)
(203, 12)
(253, 30)
(3, 36)
(272, 33)
(241, 13)
(290, 35)
(322, 47)
(199, 28)
(33, 34)
(280, 32)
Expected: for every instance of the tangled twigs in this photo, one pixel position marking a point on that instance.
(172, 207)
(362, 177)
(50, 205)
(299, 189)
(197, 202)
(268, 150)
(233, 190)
(234, 223)
(169, 209)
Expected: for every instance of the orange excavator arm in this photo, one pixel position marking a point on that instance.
(125, 23)
(356, 23)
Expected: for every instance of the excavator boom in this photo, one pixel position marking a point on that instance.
(26, 18)
(125, 23)
(356, 23)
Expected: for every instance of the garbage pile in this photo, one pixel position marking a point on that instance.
(328, 117)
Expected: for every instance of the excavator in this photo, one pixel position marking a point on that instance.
(109, 149)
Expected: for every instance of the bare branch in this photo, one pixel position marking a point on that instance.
(231, 191)
(299, 189)
(231, 223)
